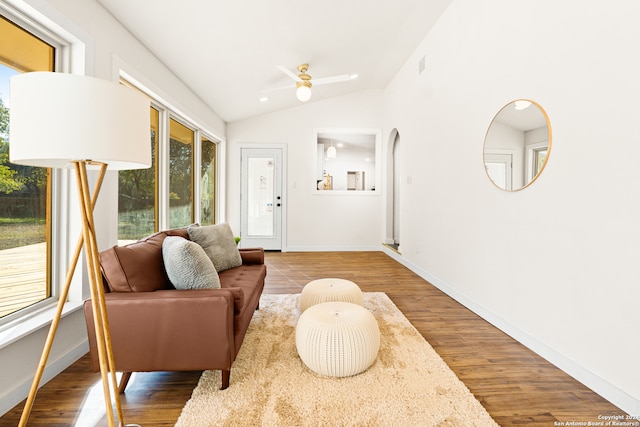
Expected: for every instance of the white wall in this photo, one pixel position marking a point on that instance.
(315, 221)
(108, 48)
(554, 264)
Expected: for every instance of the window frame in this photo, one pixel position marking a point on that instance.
(57, 253)
(533, 149)
(198, 161)
(192, 190)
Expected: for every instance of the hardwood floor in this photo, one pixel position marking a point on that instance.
(516, 386)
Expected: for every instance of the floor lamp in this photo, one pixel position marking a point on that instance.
(69, 121)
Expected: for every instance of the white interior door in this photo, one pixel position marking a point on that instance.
(262, 199)
(499, 168)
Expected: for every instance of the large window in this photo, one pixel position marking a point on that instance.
(208, 182)
(25, 192)
(180, 174)
(137, 199)
(164, 196)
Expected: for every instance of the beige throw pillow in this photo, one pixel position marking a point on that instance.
(218, 243)
(187, 265)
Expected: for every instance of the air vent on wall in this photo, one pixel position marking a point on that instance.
(421, 65)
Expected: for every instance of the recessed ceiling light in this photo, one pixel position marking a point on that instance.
(264, 99)
(340, 144)
(353, 76)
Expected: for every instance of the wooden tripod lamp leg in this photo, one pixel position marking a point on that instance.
(97, 294)
(101, 322)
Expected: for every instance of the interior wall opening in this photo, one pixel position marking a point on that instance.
(392, 233)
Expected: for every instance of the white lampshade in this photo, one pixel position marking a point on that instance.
(303, 93)
(58, 118)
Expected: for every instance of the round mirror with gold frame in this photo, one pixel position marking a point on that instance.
(517, 145)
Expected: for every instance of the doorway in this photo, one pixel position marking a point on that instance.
(262, 199)
(396, 191)
(392, 239)
(499, 167)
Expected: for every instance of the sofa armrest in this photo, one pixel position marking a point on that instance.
(252, 256)
(238, 298)
(168, 329)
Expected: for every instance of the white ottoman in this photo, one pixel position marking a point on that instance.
(327, 290)
(337, 339)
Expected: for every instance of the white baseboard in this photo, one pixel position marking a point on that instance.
(613, 394)
(19, 393)
(332, 248)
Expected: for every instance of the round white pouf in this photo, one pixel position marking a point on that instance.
(337, 339)
(328, 290)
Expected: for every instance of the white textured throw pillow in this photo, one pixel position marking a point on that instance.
(218, 242)
(187, 264)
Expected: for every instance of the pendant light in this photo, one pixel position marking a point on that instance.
(331, 151)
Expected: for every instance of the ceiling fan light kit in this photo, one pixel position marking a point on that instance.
(303, 92)
(303, 86)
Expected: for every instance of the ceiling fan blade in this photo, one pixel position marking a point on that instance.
(333, 79)
(275, 89)
(288, 73)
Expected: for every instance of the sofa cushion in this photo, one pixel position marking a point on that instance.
(188, 265)
(218, 242)
(244, 279)
(138, 267)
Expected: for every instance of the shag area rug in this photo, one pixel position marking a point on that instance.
(407, 385)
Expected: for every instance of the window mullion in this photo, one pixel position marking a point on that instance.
(163, 171)
(197, 166)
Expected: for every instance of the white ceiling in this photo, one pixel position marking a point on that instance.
(522, 120)
(227, 51)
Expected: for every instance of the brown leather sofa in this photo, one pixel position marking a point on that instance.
(155, 327)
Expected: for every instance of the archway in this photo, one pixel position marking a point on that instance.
(393, 194)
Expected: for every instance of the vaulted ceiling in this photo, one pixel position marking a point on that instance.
(227, 51)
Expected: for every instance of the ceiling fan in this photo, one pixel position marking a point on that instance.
(304, 81)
